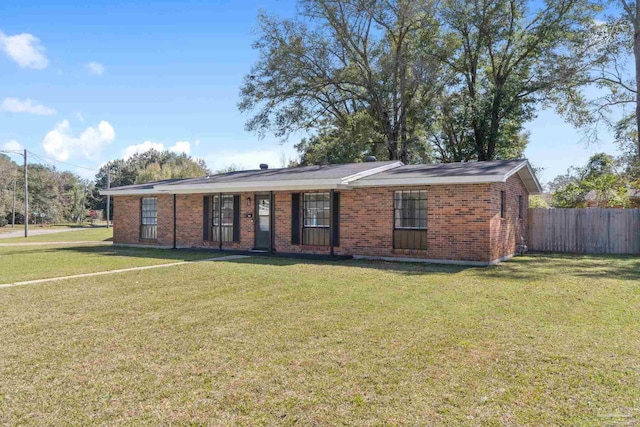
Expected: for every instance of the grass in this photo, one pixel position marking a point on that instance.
(540, 340)
(31, 262)
(84, 235)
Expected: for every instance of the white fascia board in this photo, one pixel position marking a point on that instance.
(251, 187)
(515, 169)
(395, 182)
(351, 178)
(526, 166)
(116, 192)
(535, 180)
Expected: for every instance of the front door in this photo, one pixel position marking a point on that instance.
(263, 221)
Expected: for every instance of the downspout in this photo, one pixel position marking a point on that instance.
(220, 221)
(331, 215)
(174, 222)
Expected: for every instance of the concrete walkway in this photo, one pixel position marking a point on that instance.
(122, 270)
(35, 231)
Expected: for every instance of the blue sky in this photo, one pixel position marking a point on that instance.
(85, 82)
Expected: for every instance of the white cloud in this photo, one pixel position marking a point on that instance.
(25, 49)
(80, 117)
(178, 147)
(60, 143)
(141, 148)
(12, 145)
(94, 68)
(15, 105)
(181, 147)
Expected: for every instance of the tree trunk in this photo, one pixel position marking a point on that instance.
(636, 54)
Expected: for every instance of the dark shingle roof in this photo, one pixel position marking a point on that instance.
(302, 172)
(149, 185)
(366, 174)
(494, 167)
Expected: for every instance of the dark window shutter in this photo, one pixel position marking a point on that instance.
(236, 218)
(206, 218)
(295, 218)
(335, 224)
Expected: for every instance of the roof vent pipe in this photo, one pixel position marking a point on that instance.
(264, 166)
(370, 159)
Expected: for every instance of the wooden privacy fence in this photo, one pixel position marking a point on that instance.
(588, 231)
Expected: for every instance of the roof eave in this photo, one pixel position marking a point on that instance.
(132, 192)
(395, 182)
(530, 180)
(308, 184)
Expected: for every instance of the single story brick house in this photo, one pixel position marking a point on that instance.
(472, 213)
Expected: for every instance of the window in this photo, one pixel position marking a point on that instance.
(316, 217)
(222, 206)
(410, 219)
(520, 207)
(503, 202)
(149, 218)
(410, 209)
(316, 209)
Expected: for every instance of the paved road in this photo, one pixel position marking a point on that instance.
(35, 231)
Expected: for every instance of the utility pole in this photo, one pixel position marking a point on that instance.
(108, 187)
(26, 197)
(13, 219)
(84, 195)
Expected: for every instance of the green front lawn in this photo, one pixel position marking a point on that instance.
(22, 263)
(84, 235)
(540, 340)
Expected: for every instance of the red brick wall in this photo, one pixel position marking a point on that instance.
(189, 223)
(509, 232)
(126, 220)
(463, 222)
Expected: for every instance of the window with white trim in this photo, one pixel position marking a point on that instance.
(226, 210)
(316, 218)
(149, 218)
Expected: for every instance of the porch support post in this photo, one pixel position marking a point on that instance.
(331, 214)
(220, 221)
(272, 221)
(175, 222)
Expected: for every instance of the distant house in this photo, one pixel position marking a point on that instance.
(474, 213)
(634, 197)
(591, 198)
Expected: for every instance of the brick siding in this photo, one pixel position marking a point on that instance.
(463, 222)
(509, 232)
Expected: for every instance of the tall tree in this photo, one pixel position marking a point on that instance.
(510, 58)
(342, 58)
(619, 76)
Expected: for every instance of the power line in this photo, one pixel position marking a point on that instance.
(49, 160)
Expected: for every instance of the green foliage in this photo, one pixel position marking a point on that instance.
(572, 195)
(598, 184)
(454, 80)
(152, 165)
(8, 173)
(509, 58)
(60, 195)
(343, 145)
(537, 202)
(338, 60)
